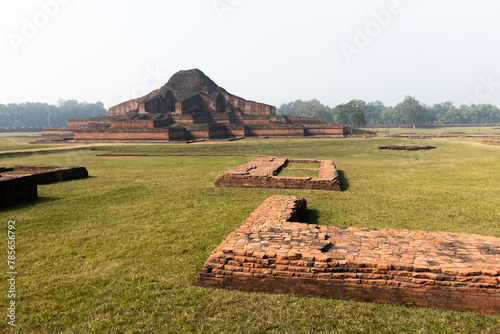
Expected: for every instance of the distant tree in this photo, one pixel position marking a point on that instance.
(411, 111)
(351, 113)
(42, 114)
(289, 108)
(316, 109)
(453, 116)
(440, 111)
(373, 111)
(387, 116)
(356, 112)
(306, 108)
(488, 113)
(340, 114)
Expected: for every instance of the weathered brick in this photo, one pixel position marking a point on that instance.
(358, 263)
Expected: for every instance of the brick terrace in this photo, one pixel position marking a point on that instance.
(262, 172)
(273, 252)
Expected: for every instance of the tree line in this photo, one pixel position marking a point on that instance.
(408, 112)
(34, 114)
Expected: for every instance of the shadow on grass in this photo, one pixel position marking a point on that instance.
(25, 205)
(312, 216)
(344, 183)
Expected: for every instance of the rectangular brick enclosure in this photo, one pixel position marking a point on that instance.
(273, 251)
(263, 172)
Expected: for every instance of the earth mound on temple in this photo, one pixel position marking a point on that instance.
(191, 91)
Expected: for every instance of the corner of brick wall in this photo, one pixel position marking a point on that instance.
(273, 252)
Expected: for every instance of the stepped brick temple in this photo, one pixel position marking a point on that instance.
(190, 106)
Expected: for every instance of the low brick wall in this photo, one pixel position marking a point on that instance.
(406, 147)
(122, 135)
(288, 130)
(15, 190)
(490, 141)
(262, 172)
(272, 252)
(19, 184)
(51, 174)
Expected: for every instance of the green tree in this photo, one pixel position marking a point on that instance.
(42, 114)
(373, 111)
(387, 116)
(340, 114)
(316, 109)
(289, 108)
(306, 108)
(440, 111)
(356, 112)
(350, 113)
(411, 111)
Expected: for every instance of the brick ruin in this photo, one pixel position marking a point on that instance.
(190, 106)
(263, 172)
(406, 147)
(19, 184)
(275, 251)
(490, 141)
(16, 190)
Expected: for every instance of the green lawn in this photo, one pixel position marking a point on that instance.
(119, 252)
(10, 141)
(18, 134)
(300, 169)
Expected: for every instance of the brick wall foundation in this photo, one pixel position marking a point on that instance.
(490, 141)
(272, 252)
(51, 174)
(262, 172)
(15, 190)
(19, 184)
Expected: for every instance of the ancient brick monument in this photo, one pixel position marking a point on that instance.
(190, 106)
(263, 172)
(274, 251)
(19, 184)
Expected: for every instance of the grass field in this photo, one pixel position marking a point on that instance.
(119, 252)
(18, 134)
(10, 141)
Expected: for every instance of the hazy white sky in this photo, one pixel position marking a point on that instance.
(271, 51)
